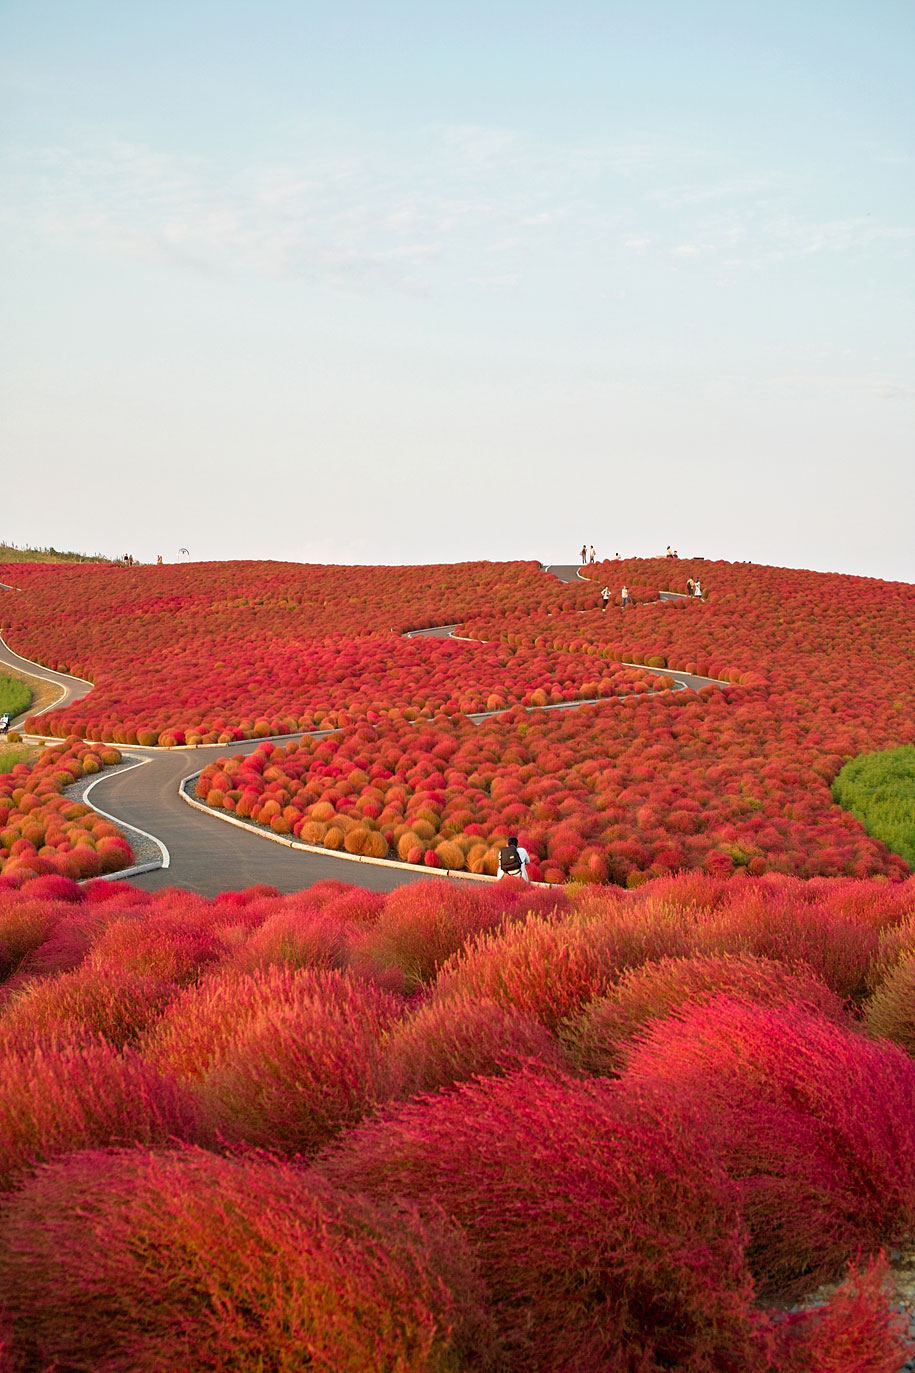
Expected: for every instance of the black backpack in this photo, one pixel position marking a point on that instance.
(509, 859)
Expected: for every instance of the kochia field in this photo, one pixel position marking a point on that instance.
(813, 669)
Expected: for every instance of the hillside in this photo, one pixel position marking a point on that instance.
(807, 670)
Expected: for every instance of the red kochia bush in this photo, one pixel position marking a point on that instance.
(56, 1099)
(762, 919)
(859, 1330)
(816, 1122)
(302, 937)
(126, 1262)
(198, 1029)
(551, 968)
(24, 926)
(597, 1039)
(420, 926)
(292, 1070)
(81, 1006)
(460, 1039)
(607, 1235)
(169, 944)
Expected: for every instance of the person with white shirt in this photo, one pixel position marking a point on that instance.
(513, 860)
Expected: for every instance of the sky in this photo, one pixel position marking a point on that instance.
(411, 282)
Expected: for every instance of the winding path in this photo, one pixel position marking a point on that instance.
(204, 854)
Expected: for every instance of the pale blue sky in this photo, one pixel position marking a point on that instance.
(415, 282)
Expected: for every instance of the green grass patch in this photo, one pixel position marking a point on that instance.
(879, 790)
(10, 754)
(15, 696)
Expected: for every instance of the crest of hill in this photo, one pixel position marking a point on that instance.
(10, 553)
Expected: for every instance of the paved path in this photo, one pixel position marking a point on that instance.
(206, 855)
(72, 688)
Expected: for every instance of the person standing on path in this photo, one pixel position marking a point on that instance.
(624, 597)
(697, 589)
(591, 558)
(605, 597)
(584, 554)
(513, 860)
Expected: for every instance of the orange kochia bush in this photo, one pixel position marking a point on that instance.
(42, 832)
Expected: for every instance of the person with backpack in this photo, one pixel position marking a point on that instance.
(513, 860)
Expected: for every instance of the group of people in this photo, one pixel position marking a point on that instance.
(588, 556)
(693, 588)
(587, 553)
(605, 597)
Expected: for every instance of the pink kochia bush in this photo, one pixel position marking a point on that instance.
(813, 1121)
(60, 1098)
(129, 1262)
(858, 1330)
(597, 1040)
(608, 1239)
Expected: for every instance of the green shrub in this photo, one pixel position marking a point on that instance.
(879, 790)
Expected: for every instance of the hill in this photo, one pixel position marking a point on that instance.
(809, 670)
